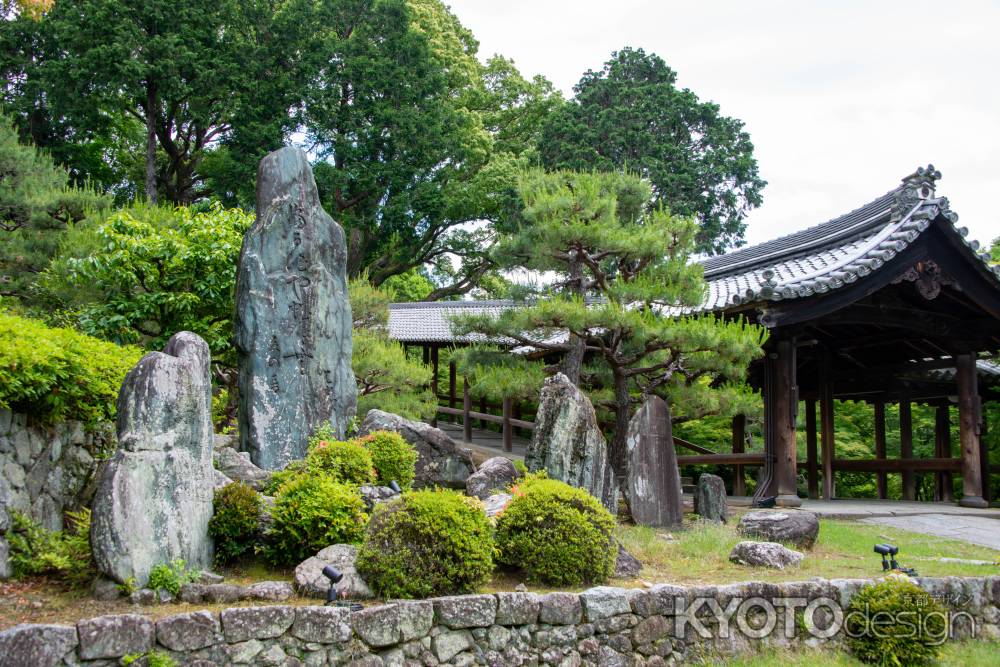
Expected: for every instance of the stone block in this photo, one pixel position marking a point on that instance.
(189, 632)
(466, 611)
(115, 636)
(243, 623)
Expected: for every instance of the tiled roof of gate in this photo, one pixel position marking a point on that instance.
(816, 260)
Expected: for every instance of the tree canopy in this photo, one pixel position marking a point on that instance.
(623, 289)
(631, 115)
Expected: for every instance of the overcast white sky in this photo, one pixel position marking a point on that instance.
(841, 99)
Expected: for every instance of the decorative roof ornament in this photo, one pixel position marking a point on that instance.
(916, 187)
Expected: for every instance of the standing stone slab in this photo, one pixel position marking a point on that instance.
(710, 498)
(154, 500)
(494, 475)
(568, 444)
(653, 486)
(293, 317)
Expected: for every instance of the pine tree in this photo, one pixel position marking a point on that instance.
(627, 295)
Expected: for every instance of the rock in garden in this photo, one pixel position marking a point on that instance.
(568, 444)
(293, 318)
(238, 467)
(496, 503)
(494, 475)
(310, 581)
(219, 480)
(765, 554)
(441, 461)
(710, 498)
(154, 499)
(797, 527)
(653, 485)
(5, 570)
(375, 495)
(38, 646)
(627, 566)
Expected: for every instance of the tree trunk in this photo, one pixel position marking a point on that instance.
(617, 449)
(151, 142)
(572, 362)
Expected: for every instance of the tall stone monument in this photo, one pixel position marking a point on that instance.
(293, 317)
(567, 442)
(653, 485)
(154, 499)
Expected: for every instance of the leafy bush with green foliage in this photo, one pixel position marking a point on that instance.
(311, 512)
(65, 555)
(150, 659)
(171, 576)
(427, 543)
(556, 534)
(347, 462)
(281, 477)
(910, 624)
(158, 271)
(234, 526)
(393, 456)
(55, 373)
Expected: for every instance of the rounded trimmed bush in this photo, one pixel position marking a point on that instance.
(311, 512)
(909, 629)
(393, 456)
(557, 534)
(235, 523)
(347, 462)
(427, 543)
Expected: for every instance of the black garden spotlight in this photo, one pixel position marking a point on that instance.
(335, 576)
(394, 485)
(891, 550)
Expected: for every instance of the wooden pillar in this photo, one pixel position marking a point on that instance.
(452, 385)
(508, 445)
(906, 449)
(482, 408)
(812, 465)
(466, 408)
(427, 353)
(826, 426)
(739, 438)
(434, 382)
(784, 406)
(880, 477)
(942, 450)
(969, 430)
(984, 455)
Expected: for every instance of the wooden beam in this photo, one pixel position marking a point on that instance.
(466, 410)
(969, 430)
(507, 427)
(942, 449)
(452, 385)
(984, 454)
(812, 465)
(881, 480)
(896, 465)
(827, 442)
(748, 459)
(739, 438)
(784, 405)
(906, 449)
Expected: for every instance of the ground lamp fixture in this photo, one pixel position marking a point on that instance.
(891, 550)
(394, 485)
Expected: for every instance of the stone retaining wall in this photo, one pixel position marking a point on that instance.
(49, 469)
(602, 626)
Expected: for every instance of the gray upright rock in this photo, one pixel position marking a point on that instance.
(494, 475)
(653, 484)
(293, 317)
(568, 444)
(5, 569)
(441, 461)
(710, 498)
(154, 499)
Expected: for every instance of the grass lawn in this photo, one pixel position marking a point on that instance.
(958, 654)
(699, 554)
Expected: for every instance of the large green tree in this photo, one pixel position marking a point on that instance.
(37, 204)
(623, 289)
(631, 115)
(417, 139)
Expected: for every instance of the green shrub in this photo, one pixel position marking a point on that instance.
(910, 625)
(556, 534)
(150, 659)
(281, 477)
(393, 456)
(65, 555)
(55, 374)
(427, 543)
(171, 576)
(234, 525)
(311, 512)
(347, 462)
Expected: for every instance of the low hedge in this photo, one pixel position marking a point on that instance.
(54, 374)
